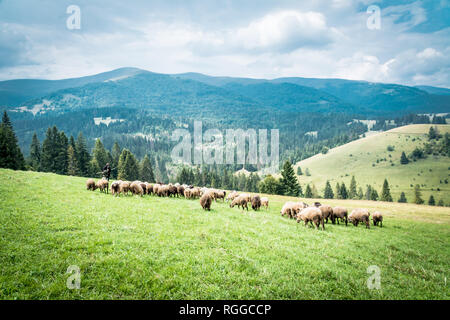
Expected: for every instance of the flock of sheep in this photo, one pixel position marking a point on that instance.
(316, 215)
(320, 214)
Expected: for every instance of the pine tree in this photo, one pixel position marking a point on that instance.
(146, 170)
(374, 195)
(402, 198)
(314, 191)
(35, 153)
(417, 195)
(128, 166)
(337, 191)
(352, 191)
(441, 203)
(72, 166)
(368, 195)
(431, 201)
(328, 193)
(386, 192)
(308, 192)
(82, 155)
(289, 180)
(11, 156)
(49, 151)
(299, 171)
(404, 159)
(343, 191)
(61, 160)
(360, 193)
(99, 153)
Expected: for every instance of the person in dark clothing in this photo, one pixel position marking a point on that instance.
(107, 171)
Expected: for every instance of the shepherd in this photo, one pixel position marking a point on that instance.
(106, 172)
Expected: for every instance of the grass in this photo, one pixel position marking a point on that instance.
(359, 159)
(161, 248)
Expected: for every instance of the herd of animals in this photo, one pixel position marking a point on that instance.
(317, 214)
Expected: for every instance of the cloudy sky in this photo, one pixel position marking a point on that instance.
(249, 38)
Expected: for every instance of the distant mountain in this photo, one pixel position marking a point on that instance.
(435, 90)
(16, 92)
(195, 94)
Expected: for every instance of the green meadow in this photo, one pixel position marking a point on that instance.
(168, 248)
(370, 161)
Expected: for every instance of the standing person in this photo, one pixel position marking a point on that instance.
(107, 171)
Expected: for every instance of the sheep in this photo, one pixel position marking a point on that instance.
(265, 202)
(180, 190)
(339, 213)
(124, 187)
(171, 190)
(156, 187)
(115, 186)
(90, 185)
(136, 188)
(327, 212)
(163, 191)
(187, 193)
(287, 209)
(195, 193)
(102, 184)
(247, 197)
(256, 202)
(360, 215)
(205, 201)
(297, 207)
(221, 195)
(232, 196)
(311, 214)
(240, 201)
(148, 188)
(377, 217)
(144, 187)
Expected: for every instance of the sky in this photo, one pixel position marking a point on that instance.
(409, 44)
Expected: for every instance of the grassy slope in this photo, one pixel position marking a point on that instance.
(356, 158)
(159, 248)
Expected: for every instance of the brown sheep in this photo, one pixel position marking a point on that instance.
(360, 215)
(205, 201)
(265, 202)
(187, 193)
(240, 201)
(221, 195)
(163, 191)
(256, 202)
(171, 190)
(148, 188)
(311, 214)
(339, 213)
(296, 208)
(144, 187)
(115, 186)
(102, 184)
(124, 187)
(327, 212)
(287, 209)
(195, 192)
(136, 188)
(377, 217)
(90, 185)
(232, 196)
(156, 187)
(180, 190)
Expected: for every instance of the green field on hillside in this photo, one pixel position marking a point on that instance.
(369, 160)
(169, 248)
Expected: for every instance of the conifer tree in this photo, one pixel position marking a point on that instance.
(35, 153)
(343, 191)
(99, 153)
(308, 192)
(352, 191)
(402, 198)
(147, 171)
(404, 159)
(82, 155)
(11, 156)
(360, 193)
(431, 201)
(417, 195)
(72, 166)
(374, 195)
(289, 180)
(337, 190)
(386, 192)
(328, 193)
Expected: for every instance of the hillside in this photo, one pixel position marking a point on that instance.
(169, 248)
(364, 158)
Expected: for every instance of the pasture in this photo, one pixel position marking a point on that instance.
(167, 248)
